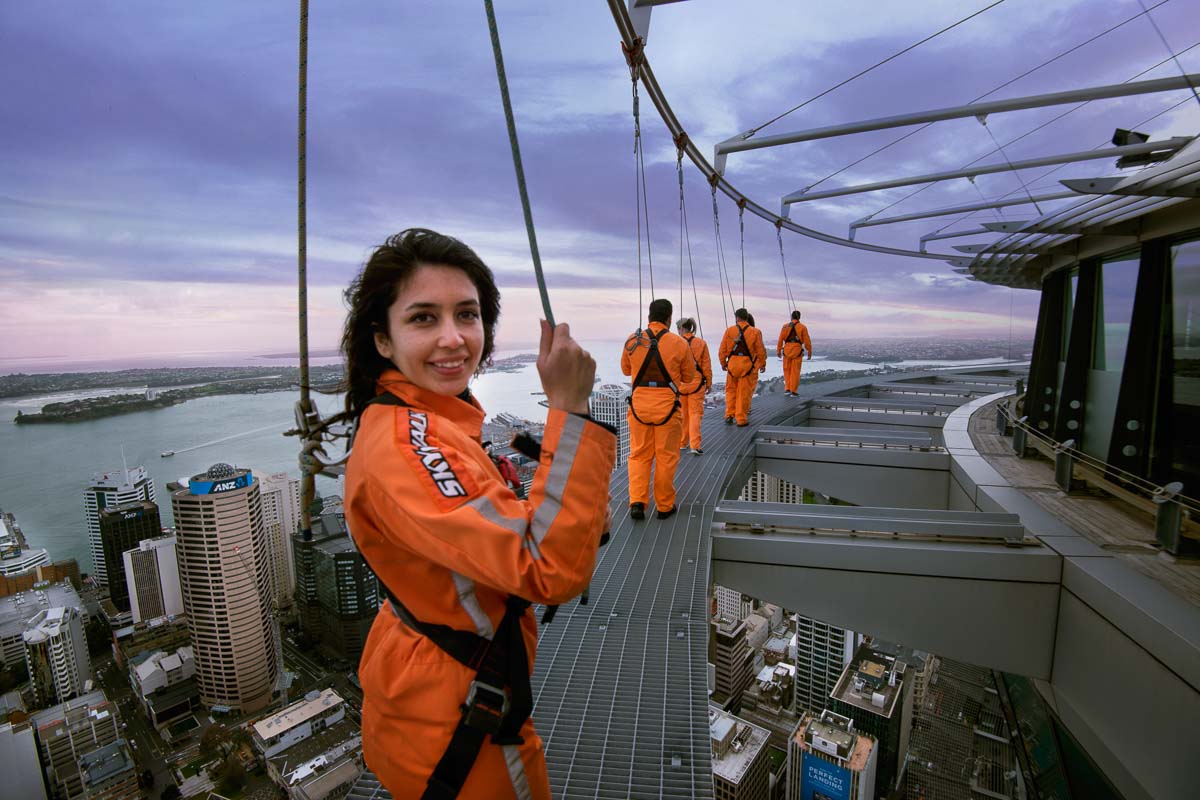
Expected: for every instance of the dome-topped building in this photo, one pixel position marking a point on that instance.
(225, 578)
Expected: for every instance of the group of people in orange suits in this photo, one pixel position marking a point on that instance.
(672, 373)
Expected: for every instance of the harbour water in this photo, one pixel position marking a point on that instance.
(44, 468)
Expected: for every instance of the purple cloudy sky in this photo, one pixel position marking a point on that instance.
(147, 188)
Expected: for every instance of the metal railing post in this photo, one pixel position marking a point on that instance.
(1064, 465)
(1168, 519)
(1020, 438)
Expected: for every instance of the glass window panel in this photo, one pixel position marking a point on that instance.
(1118, 282)
(1185, 263)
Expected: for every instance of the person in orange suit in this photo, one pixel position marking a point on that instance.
(793, 341)
(458, 555)
(743, 357)
(660, 363)
(691, 397)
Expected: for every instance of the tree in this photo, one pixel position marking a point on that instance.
(213, 740)
(171, 792)
(13, 676)
(231, 775)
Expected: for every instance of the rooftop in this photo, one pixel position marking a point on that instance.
(878, 693)
(337, 740)
(297, 714)
(105, 763)
(17, 608)
(832, 737)
(741, 742)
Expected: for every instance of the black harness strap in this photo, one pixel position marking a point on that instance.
(499, 699)
(659, 378)
(699, 371)
(740, 348)
(792, 338)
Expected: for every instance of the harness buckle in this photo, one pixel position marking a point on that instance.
(486, 707)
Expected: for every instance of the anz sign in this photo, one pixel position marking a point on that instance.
(226, 485)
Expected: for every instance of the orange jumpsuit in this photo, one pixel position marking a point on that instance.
(435, 520)
(792, 353)
(691, 396)
(741, 372)
(654, 439)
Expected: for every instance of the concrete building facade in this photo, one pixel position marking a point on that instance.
(56, 655)
(152, 579)
(281, 517)
(224, 574)
(740, 759)
(68, 732)
(822, 652)
(607, 404)
(874, 692)
(17, 609)
(733, 660)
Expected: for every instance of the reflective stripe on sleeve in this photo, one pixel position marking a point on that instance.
(556, 481)
(487, 509)
(470, 603)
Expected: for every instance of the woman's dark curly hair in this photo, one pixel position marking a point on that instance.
(374, 290)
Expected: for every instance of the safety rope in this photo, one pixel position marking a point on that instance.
(722, 269)
(516, 156)
(1171, 52)
(1037, 128)
(304, 408)
(686, 236)
(741, 204)
(633, 58)
(989, 92)
(876, 65)
(787, 286)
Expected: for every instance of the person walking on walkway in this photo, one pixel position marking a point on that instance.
(743, 357)
(691, 398)
(793, 341)
(460, 558)
(660, 363)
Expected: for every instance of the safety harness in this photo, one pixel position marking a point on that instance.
(652, 374)
(700, 372)
(792, 337)
(499, 699)
(740, 348)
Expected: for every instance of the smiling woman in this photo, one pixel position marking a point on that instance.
(459, 555)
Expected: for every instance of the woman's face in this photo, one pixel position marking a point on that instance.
(434, 329)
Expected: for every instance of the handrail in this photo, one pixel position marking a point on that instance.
(1146, 488)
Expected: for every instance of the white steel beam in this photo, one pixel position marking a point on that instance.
(1166, 145)
(867, 222)
(745, 141)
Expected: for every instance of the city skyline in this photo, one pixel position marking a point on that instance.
(151, 175)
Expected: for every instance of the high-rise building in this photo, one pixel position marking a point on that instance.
(607, 404)
(121, 528)
(828, 758)
(224, 574)
(348, 597)
(734, 662)
(328, 526)
(56, 655)
(68, 732)
(152, 579)
(106, 490)
(874, 692)
(19, 762)
(764, 488)
(741, 762)
(17, 609)
(821, 654)
(281, 518)
(731, 604)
